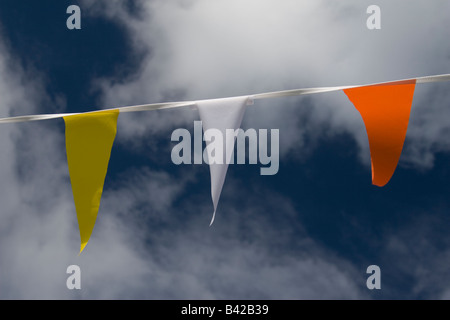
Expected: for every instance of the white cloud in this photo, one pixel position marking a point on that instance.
(247, 254)
(38, 228)
(204, 49)
(421, 244)
(146, 244)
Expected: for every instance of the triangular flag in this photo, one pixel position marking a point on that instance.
(89, 139)
(385, 110)
(221, 114)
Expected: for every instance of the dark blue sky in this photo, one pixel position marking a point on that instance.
(326, 184)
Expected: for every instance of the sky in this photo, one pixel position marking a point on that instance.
(308, 232)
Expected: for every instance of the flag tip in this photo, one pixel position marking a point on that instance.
(380, 182)
(213, 217)
(83, 245)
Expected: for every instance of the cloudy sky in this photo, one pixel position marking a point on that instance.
(309, 232)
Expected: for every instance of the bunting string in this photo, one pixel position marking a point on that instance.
(266, 95)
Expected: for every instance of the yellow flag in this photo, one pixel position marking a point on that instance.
(89, 139)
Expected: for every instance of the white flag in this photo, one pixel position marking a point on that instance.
(220, 115)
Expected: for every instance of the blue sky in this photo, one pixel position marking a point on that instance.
(308, 232)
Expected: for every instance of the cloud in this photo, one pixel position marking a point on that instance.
(38, 228)
(421, 244)
(151, 239)
(207, 49)
(147, 243)
(247, 254)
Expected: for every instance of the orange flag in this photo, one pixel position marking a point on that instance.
(385, 110)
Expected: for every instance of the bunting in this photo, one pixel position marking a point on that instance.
(89, 139)
(385, 110)
(220, 114)
(384, 107)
